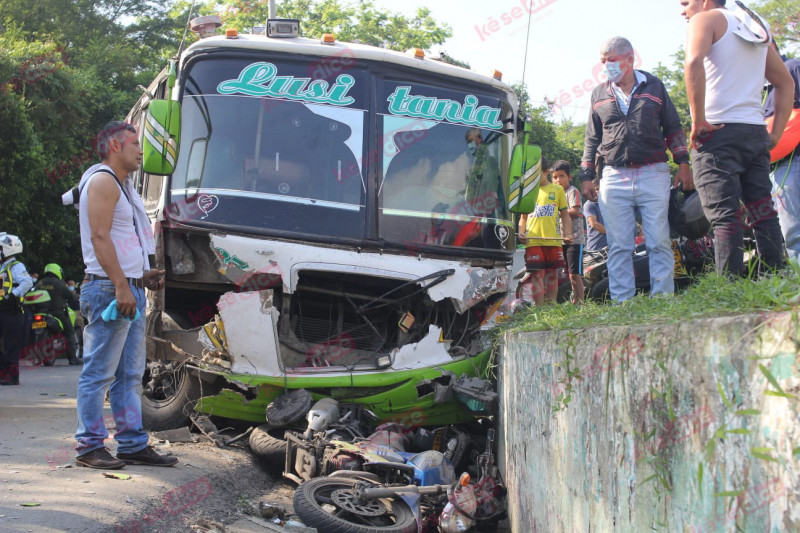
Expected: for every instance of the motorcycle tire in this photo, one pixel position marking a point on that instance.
(600, 292)
(268, 444)
(398, 518)
(50, 353)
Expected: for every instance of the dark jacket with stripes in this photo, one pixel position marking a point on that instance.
(640, 138)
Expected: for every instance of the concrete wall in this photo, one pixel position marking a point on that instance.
(640, 439)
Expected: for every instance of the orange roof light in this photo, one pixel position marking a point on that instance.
(418, 53)
(328, 38)
(231, 33)
(496, 74)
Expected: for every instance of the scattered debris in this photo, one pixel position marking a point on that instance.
(207, 428)
(175, 435)
(268, 511)
(114, 475)
(230, 441)
(208, 526)
(30, 504)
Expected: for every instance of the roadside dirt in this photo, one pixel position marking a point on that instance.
(37, 423)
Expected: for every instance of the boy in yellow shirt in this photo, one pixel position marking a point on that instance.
(539, 231)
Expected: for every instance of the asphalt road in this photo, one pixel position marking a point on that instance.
(37, 424)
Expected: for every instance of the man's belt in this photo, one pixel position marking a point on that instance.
(136, 282)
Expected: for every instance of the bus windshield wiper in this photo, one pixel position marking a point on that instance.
(437, 277)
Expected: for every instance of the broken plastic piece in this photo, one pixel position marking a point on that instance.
(114, 475)
(475, 394)
(441, 387)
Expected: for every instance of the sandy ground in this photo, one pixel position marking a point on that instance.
(37, 423)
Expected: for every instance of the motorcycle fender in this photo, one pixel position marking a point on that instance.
(353, 474)
(412, 500)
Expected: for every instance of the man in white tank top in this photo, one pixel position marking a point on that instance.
(727, 58)
(113, 241)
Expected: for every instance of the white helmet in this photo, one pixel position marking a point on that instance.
(10, 244)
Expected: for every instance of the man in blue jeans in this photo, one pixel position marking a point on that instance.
(786, 173)
(116, 240)
(631, 121)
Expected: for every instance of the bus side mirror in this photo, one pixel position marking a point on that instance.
(162, 135)
(524, 177)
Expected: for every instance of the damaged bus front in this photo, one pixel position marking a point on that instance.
(330, 217)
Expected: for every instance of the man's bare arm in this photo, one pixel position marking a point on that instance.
(102, 198)
(699, 39)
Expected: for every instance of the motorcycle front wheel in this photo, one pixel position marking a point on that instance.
(332, 505)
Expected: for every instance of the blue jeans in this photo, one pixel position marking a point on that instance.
(113, 356)
(786, 188)
(647, 188)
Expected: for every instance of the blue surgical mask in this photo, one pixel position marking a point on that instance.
(71, 287)
(472, 147)
(613, 71)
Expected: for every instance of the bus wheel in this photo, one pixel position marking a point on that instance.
(169, 394)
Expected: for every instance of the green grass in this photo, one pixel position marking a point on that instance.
(711, 296)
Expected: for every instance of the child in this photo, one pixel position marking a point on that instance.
(539, 231)
(573, 252)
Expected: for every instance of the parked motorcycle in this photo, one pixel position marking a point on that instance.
(693, 250)
(691, 259)
(46, 338)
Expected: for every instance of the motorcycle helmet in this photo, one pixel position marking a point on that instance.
(10, 244)
(54, 269)
(686, 215)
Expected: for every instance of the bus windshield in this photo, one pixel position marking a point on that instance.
(299, 156)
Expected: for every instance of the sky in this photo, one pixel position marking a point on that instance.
(565, 36)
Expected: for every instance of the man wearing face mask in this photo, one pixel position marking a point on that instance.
(631, 121)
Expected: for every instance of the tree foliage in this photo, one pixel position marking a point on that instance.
(784, 19)
(69, 66)
(358, 22)
(562, 141)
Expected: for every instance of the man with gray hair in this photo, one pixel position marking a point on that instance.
(630, 121)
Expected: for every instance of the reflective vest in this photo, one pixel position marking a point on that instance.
(6, 280)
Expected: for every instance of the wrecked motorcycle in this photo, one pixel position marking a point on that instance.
(287, 432)
(373, 500)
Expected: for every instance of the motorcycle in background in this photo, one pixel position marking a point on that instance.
(46, 338)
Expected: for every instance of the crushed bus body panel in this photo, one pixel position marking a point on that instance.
(344, 230)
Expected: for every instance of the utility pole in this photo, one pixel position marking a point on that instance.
(272, 9)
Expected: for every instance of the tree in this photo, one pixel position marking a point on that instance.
(784, 19)
(552, 139)
(362, 22)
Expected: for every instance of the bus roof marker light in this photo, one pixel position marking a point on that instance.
(328, 38)
(496, 74)
(231, 33)
(206, 26)
(418, 53)
(283, 28)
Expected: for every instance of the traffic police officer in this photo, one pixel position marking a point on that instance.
(14, 283)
